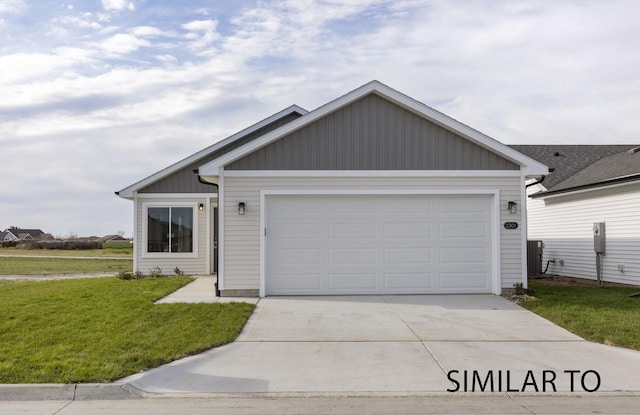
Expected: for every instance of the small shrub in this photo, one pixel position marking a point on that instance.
(138, 275)
(178, 271)
(156, 272)
(126, 276)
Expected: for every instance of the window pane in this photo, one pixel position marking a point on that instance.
(181, 229)
(158, 230)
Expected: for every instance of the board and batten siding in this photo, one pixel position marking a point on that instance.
(190, 266)
(242, 233)
(565, 225)
(372, 133)
(185, 181)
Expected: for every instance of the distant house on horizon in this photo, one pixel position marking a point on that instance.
(19, 234)
(114, 238)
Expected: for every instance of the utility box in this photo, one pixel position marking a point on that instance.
(599, 236)
(534, 258)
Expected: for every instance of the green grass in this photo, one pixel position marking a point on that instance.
(112, 249)
(48, 266)
(600, 314)
(103, 329)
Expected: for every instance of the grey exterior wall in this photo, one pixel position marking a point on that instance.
(184, 181)
(372, 134)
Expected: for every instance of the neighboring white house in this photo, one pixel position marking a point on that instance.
(372, 193)
(588, 184)
(19, 234)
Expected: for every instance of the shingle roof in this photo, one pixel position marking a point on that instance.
(568, 160)
(35, 233)
(625, 165)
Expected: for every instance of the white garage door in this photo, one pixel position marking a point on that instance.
(378, 244)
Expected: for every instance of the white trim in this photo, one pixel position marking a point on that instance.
(496, 280)
(135, 233)
(170, 255)
(531, 166)
(221, 231)
(523, 232)
(373, 173)
(128, 191)
(208, 211)
(174, 196)
(497, 244)
(591, 189)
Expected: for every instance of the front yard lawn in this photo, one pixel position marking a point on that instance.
(48, 266)
(103, 329)
(600, 314)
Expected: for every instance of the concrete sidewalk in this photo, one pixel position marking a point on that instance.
(202, 290)
(398, 345)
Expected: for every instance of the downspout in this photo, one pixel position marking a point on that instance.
(196, 172)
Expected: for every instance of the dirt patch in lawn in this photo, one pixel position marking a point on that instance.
(559, 280)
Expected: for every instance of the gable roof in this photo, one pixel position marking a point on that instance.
(24, 233)
(578, 167)
(129, 191)
(531, 167)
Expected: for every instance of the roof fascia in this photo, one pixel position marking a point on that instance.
(588, 187)
(530, 167)
(128, 192)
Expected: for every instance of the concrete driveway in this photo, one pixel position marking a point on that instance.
(398, 344)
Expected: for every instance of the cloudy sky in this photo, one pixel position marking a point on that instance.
(98, 94)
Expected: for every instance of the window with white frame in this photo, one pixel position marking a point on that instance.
(170, 229)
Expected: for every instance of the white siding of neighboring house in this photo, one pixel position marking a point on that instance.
(190, 266)
(242, 233)
(565, 225)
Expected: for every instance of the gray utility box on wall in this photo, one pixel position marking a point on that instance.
(599, 237)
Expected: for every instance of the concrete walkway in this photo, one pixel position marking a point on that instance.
(397, 345)
(202, 290)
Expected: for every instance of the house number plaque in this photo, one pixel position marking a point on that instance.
(511, 225)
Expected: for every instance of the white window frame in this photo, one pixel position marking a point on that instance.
(145, 227)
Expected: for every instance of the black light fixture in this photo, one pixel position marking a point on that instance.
(512, 207)
(201, 207)
(241, 208)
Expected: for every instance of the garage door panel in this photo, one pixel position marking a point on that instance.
(296, 256)
(352, 281)
(376, 244)
(418, 255)
(407, 230)
(464, 281)
(344, 231)
(463, 255)
(352, 256)
(408, 204)
(296, 231)
(296, 282)
(463, 230)
(413, 281)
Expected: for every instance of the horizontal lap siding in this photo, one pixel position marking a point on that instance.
(565, 223)
(190, 266)
(242, 233)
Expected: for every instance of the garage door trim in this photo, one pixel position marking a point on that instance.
(495, 193)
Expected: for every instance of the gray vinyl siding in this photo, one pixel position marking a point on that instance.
(372, 134)
(190, 266)
(185, 181)
(242, 233)
(565, 224)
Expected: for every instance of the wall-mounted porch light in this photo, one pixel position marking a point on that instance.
(241, 208)
(512, 207)
(201, 207)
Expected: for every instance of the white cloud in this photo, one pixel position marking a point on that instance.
(122, 44)
(118, 5)
(11, 6)
(202, 34)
